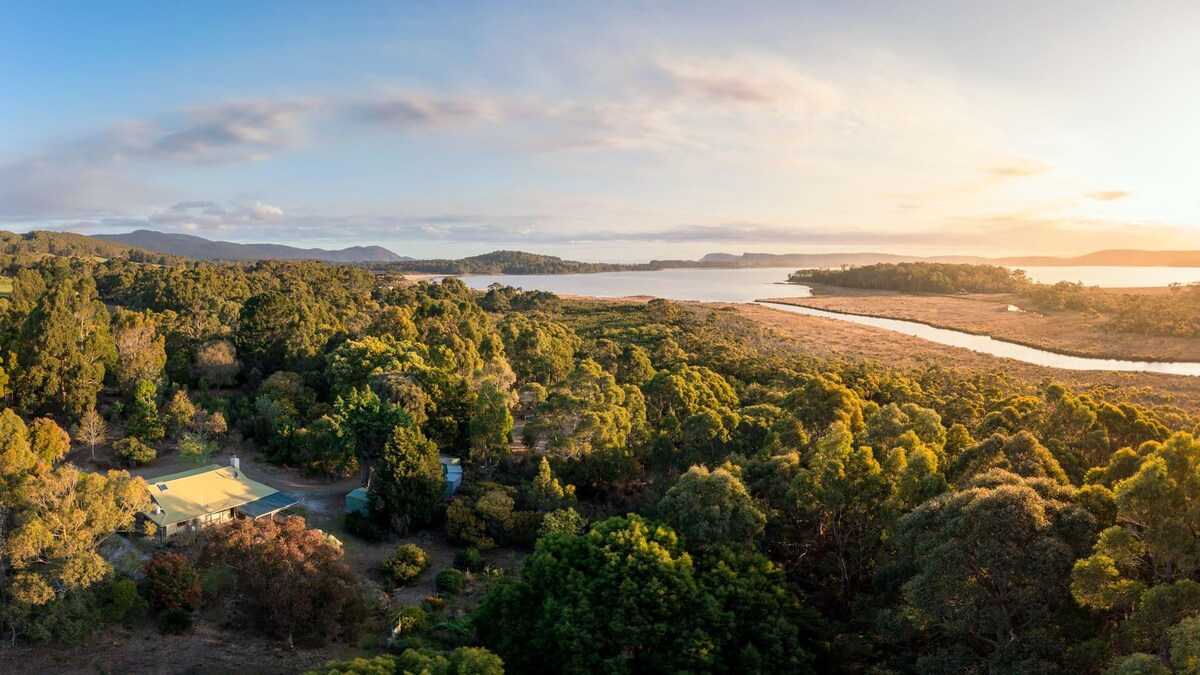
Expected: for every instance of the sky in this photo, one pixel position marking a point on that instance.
(620, 130)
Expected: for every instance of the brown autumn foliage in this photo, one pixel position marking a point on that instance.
(291, 581)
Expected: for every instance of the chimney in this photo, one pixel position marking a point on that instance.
(236, 464)
(157, 508)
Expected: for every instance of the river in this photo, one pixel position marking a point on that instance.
(749, 285)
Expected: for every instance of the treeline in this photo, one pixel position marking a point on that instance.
(1173, 314)
(504, 262)
(919, 277)
(694, 493)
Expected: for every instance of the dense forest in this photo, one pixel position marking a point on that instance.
(1173, 314)
(918, 277)
(688, 491)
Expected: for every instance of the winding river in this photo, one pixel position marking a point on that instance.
(749, 285)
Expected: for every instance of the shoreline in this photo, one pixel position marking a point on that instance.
(1066, 333)
(1060, 351)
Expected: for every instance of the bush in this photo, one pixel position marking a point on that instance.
(134, 451)
(363, 527)
(408, 620)
(119, 600)
(404, 565)
(172, 582)
(176, 621)
(470, 560)
(450, 581)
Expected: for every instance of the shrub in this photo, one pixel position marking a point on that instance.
(363, 527)
(176, 621)
(409, 619)
(405, 564)
(120, 600)
(172, 582)
(450, 581)
(470, 560)
(134, 451)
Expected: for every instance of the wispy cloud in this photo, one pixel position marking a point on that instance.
(1109, 195)
(408, 111)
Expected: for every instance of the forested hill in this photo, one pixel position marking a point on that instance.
(205, 249)
(509, 262)
(71, 245)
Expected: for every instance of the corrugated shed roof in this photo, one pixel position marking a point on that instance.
(267, 505)
(197, 492)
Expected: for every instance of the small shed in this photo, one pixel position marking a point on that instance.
(356, 501)
(452, 472)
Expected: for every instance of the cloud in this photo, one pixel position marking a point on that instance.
(1108, 195)
(409, 111)
(1017, 167)
(233, 132)
(205, 216)
(749, 81)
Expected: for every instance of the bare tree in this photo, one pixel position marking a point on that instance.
(92, 429)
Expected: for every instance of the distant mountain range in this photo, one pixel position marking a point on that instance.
(164, 248)
(1113, 258)
(190, 246)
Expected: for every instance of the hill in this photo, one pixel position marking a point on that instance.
(509, 262)
(1114, 258)
(191, 246)
(71, 245)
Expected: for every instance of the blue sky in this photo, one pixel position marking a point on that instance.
(608, 130)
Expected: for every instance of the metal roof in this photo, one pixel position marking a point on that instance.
(209, 489)
(267, 505)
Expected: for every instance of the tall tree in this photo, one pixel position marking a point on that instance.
(59, 521)
(141, 352)
(64, 349)
(710, 508)
(990, 571)
(491, 425)
(409, 485)
(48, 441)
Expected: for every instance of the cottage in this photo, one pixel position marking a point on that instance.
(190, 500)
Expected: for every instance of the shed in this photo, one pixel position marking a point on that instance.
(452, 473)
(356, 501)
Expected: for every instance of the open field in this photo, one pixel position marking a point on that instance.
(834, 338)
(1065, 332)
(6, 287)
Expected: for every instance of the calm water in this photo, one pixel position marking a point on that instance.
(749, 285)
(1115, 277)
